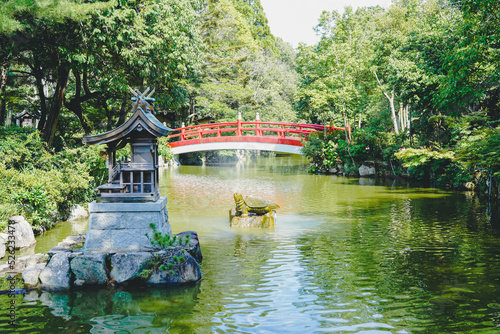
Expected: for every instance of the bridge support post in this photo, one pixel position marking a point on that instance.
(258, 132)
(183, 137)
(238, 125)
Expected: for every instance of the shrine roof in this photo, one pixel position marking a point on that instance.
(142, 120)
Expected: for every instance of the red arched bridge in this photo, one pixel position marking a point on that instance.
(265, 136)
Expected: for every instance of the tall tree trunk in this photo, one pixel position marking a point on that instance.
(75, 104)
(123, 111)
(37, 72)
(404, 120)
(109, 113)
(391, 103)
(3, 87)
(56, 105)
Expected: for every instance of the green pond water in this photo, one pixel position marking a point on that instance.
(346, 256)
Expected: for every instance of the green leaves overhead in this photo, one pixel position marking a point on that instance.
(156, 43)
(243, 70)
(426, 73)
(12, 12)
(83, 56)
(334, 71)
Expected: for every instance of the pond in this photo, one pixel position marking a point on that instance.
(346, 255)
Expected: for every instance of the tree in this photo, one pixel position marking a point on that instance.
(256, 19)
(334, 73)
(471, 83)
(85, 57)
(240, 73)
(25, 27)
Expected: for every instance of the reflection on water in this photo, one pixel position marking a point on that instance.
(345, 256)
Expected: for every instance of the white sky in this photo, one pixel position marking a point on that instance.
(293, 20)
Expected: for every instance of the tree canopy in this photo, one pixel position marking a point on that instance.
(421, 74)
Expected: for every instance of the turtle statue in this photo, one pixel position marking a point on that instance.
(253, 205)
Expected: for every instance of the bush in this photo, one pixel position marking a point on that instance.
(322, 150)
(435, 165)
(44, 197)
(164, 149)
(332, 149)
(42, 185)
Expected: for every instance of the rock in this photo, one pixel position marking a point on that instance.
(56, 275)
(22, 232)
(367, 171)
(31, 296)
(79, 238)
(21, 262)
(36, 259)
(31, 275)
(261, 221)
(61, 304)
(181, 268)
(191, 244)
(468, 186)
(190, 271)
(128, 266)
(2, 248)
(57, 249)
(89, 269)
(77, 212)
(4, 268)
(72, 242)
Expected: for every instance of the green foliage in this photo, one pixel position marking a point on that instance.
(165, 150)
(38, 193)
(154, 264)
(89, 53)
(418, 74)
(439, 166)
(43, 185)
(326, 152)
(36, 204)
(417, 82)
(23, 150)
(12, 10)
(165, 241)
(256, 19)
(245, 68)
(322, 150)
(178, 259)
(161, 262)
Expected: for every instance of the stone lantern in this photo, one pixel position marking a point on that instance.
(130, 201)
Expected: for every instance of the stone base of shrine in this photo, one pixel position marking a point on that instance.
(253, 220)
(123, 226)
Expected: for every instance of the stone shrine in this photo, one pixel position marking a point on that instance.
(129, 239)
(125, 207)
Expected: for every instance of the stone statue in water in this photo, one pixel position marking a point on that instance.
(252, 205)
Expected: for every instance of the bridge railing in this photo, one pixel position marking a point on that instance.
(253, 128)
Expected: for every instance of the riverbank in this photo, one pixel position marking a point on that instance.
(391, 156)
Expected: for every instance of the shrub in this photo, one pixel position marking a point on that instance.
(322, 150)
(43, 185)
(164, 149)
